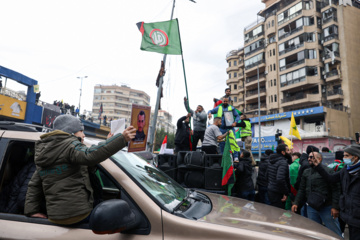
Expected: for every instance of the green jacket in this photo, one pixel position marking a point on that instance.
(62, 174)
(319, 185)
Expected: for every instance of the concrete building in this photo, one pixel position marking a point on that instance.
(164, 121)
(117, 101)
(305, 53)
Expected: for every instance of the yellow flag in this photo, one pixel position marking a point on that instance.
(287, 142)
(293, 128)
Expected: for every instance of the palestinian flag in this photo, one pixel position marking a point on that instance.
(160, 37)
(228, 176)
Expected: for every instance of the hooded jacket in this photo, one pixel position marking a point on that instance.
(182, 136)
(263, 168)
(243, 173)
(62, 174)
(278, 174)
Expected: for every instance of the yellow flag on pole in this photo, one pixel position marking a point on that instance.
(287, 142)
(293, 128)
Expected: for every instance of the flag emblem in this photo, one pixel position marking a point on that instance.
(159, 37)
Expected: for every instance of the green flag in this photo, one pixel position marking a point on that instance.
(228, 175)
(160, 37)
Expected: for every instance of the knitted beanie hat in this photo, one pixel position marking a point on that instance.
(68, 123)
(311, 148)
(353, 150)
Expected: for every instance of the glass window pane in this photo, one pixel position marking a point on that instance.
(281, 47)
(283, 78)
(299, 22)
(301, 55)
(302, 72)
(289, 76)
(282, 62)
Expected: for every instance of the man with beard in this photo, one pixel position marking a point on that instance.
(312, 183)
(219, 110)
(278, 176)
(183, 134)
(140, 135)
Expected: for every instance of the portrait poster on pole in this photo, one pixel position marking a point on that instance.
(140, 118)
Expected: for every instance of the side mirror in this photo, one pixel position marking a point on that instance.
(112, 216)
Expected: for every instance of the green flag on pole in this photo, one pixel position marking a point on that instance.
(160, 37)
(228, 175)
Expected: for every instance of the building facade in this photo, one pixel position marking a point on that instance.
(302, 54)
(164, 121)
(117, 101)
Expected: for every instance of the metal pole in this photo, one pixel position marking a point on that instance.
(81, 78)
(153, 124)
(259, 110)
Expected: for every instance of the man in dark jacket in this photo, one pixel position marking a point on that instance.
(278, 176)
(199, 120)
(183, 134)
(62, 171)
(312, 183)
(262, 180)
(349, 178)
(244, 186)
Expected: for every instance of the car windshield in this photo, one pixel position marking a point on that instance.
(166, 191)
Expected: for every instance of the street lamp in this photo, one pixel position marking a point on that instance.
(81, 90)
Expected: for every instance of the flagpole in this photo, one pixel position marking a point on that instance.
(153, 125)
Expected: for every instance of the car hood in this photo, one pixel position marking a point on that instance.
(240, 213)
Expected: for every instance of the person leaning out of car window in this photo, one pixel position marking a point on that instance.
(62, 171)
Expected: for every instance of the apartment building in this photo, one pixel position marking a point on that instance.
(302, 54)
(164, 121)
(117, 101)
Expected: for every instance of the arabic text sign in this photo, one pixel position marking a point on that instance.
(266, 143)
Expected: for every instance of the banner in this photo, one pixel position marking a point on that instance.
(48, 117)
(160, 37)
(12, 107)
(140, 118)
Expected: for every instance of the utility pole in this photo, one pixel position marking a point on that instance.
(81, 78)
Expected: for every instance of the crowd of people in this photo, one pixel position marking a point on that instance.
(293, 181)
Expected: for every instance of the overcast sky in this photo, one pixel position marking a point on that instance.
(54, 42)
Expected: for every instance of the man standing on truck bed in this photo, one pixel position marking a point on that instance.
(62, 171)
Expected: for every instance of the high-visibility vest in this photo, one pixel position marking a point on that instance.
(220, 111)
(233, 144)
(247, 130)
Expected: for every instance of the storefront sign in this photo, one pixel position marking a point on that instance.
(266, 143)
(12, 107)
(297, 113)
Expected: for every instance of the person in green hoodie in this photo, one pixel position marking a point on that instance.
(294, 171)
(63, 164)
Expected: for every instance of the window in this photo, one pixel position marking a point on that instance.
(229, 64)
(235, 74)
(229, 75)
(274, 51)
(235, 99)
(274, 66)
(235, 86)
(253, 61)
(235, 63)
(254, 47)
(271, 98)
(270, 83)
(274, 82)
(290, 13)
(97, 90)
(308, 5)
(270, 68)
(270, 53)
(275, 98)
(272, 23)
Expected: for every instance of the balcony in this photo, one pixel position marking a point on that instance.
(252, 96)
(231, 80)
(332, 58)
(300, 82)
(255, 51)
(232, 68)
(333, 75)
(293, 64)
(290, 33)
(327, 20)
(336, 94)
(251, 81)
(258, 63)
(300, 99)
(331, 37)
(251, 107)
(326, 3)
(291, 49)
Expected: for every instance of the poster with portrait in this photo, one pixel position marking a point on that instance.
(49, 116)
(229, 119)
(140, 119)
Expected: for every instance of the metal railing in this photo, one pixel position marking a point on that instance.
(254, 78)
(335, 92)
(254, 37)
(291, 49)
(255, 64)
(291, 33)
(255, 92)
(331, 36)
(255, 106)
(332, 73)
(324, 21)
(297, 96)
(326, 3)
(293, 81)
(253, 24)
(290, 65)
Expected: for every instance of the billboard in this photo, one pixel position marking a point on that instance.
(12, 107)
(140, 118)
(48, 117)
